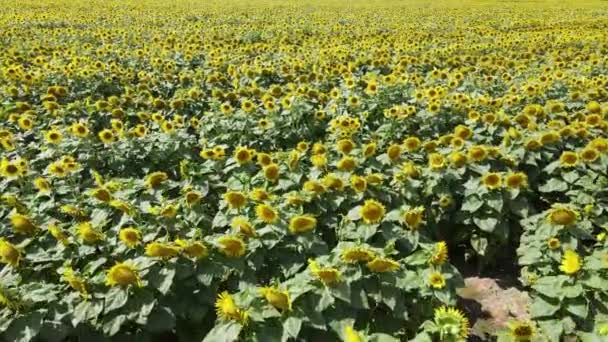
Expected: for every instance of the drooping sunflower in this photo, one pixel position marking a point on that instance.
(155, 179)
(235, 199)
(452, 324)
(130, 236)
(571, 262)
(327, 275)
(271, 172)
(279, 299)
(562, 215)
(9, 254)
(232, 246)
(58, 234)
(194, 249)
(42, 185)
(414, 217)
(381, 265)
(243, 226)
(88, 234)
(347, 163)
(372, 211)
(75, 281)
(161, 250)
(22, 224)
(302, 223)
(123, 274)
(356, 254)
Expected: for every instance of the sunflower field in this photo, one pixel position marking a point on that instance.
(300, 170)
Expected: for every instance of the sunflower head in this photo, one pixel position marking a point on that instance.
(232, 246)
(302, 223)
(161, 250)
(571, 262)
(271, 172)
(243, 155)
(521, 331)
(452, 323)
(372, 211)
(327, 275)
(9, 254)
(381, 265)
(227, 309)
(130, 236)
(266, 213)
(436, 280)
(155, 179)
(440, 253)
(22, 224)
(194, 249)
(123, 274)
(351, 335)
(88, 234)
(562, 215)
(414, 217)
(492, 180)
(279, 299)
(568, 159)
(235, 199)
(516, 180)
(243, 226)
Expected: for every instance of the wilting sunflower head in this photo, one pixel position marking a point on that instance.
(88, 234)
(353, 255)
(381, 265)
(302, 223)
(22, 224)
(327, 275)
(161, 250)
(235, 199)
(279, 299)
(155, 179)
(194, 249)
(9, 254)
(243, 226)
(562, 215)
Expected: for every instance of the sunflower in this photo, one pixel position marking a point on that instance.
(394, 152)
(452, 323)
(553, 243)
(235, 199)
(445, 201)
(345, 146)
(372, 211)
(356, 254)
(516, 180)
(414, 217)
(279, 299)
(266, 213)
(436, 161)
(271, 172)
(123, 274)
(232, 246)
(193, 249)
(155, 179)
(88, 234)
(346, 163)
(319, 160)
(327, 275)
(568, 159)
(227, 310)
(26, 123)
(101, 194)
(436, 280)
(351, 335)
(314, 187)
(243, 155)
(263, 159)
(58, 234)
(22, 224)
(243, 225)
(370, 149)
(571, 262)
(53, 136)
(75, 281)
(9, 254)
(412, 144)
(381, 265)
(358, 183)
(10, 169)
(440, 253)
(57, 169)
(106, 136)
(492, 180)
(192, 197)
(521, 331)
(302, 223)
(477, 153)
(130, 236)
(589, 155)
(562, 215)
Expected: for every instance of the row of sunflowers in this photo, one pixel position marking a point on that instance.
(290, 171)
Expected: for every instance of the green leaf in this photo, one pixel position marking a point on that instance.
(25, 328)
(487, 224)
(225, 332)
(554, 185)
(553, 329)
(325, 301)
(160, 320)
(471, 204)
(112, 327)
(479, 244)
(578, 307)
(163, 279)
(86, 310)
(542, 307)
(52, 331)
(115, 299)
(291, 327)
